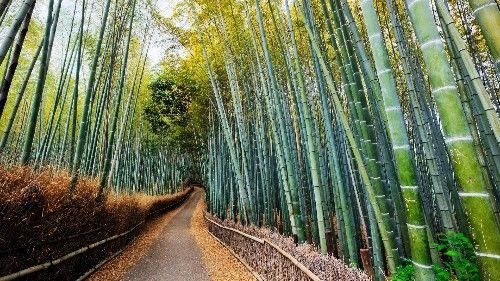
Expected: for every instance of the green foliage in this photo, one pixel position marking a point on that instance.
(459, 259)
(404, 272)
(176, 109)
(441, 273)
(169, 104)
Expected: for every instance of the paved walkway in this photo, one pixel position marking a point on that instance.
(175, 254)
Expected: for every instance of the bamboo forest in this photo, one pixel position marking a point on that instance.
(250, 140)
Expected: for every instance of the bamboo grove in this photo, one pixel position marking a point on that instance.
(368, 128)
(71, 94)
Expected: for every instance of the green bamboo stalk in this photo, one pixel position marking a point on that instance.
(488, 121)
(423, 134)
(7, 82)
(227, 133)
(488, 17)
(77, 84)
(10, 35)
(313, 160)
(111, 144)
(458, 139)
(400, 145)
(392, 260)
(82, 134)
(42, 76)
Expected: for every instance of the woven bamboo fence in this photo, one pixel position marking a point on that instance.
(268, 260)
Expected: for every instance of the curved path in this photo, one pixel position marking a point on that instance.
(175, 254)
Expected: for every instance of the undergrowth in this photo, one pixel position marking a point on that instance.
(40, 222)
(459, 261)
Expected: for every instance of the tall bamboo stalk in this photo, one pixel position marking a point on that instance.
(416, 224)
(474, 195)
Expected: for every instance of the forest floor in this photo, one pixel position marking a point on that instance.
(175, 246)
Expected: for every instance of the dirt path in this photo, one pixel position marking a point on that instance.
(175, 246)
(175, 254)
(220, 263)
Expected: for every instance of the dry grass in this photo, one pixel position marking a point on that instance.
(40, 222)
(221, 264)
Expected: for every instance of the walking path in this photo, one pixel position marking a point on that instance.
(175, 246)
(175, 255)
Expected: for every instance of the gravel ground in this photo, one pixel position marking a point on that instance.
(221, 264)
